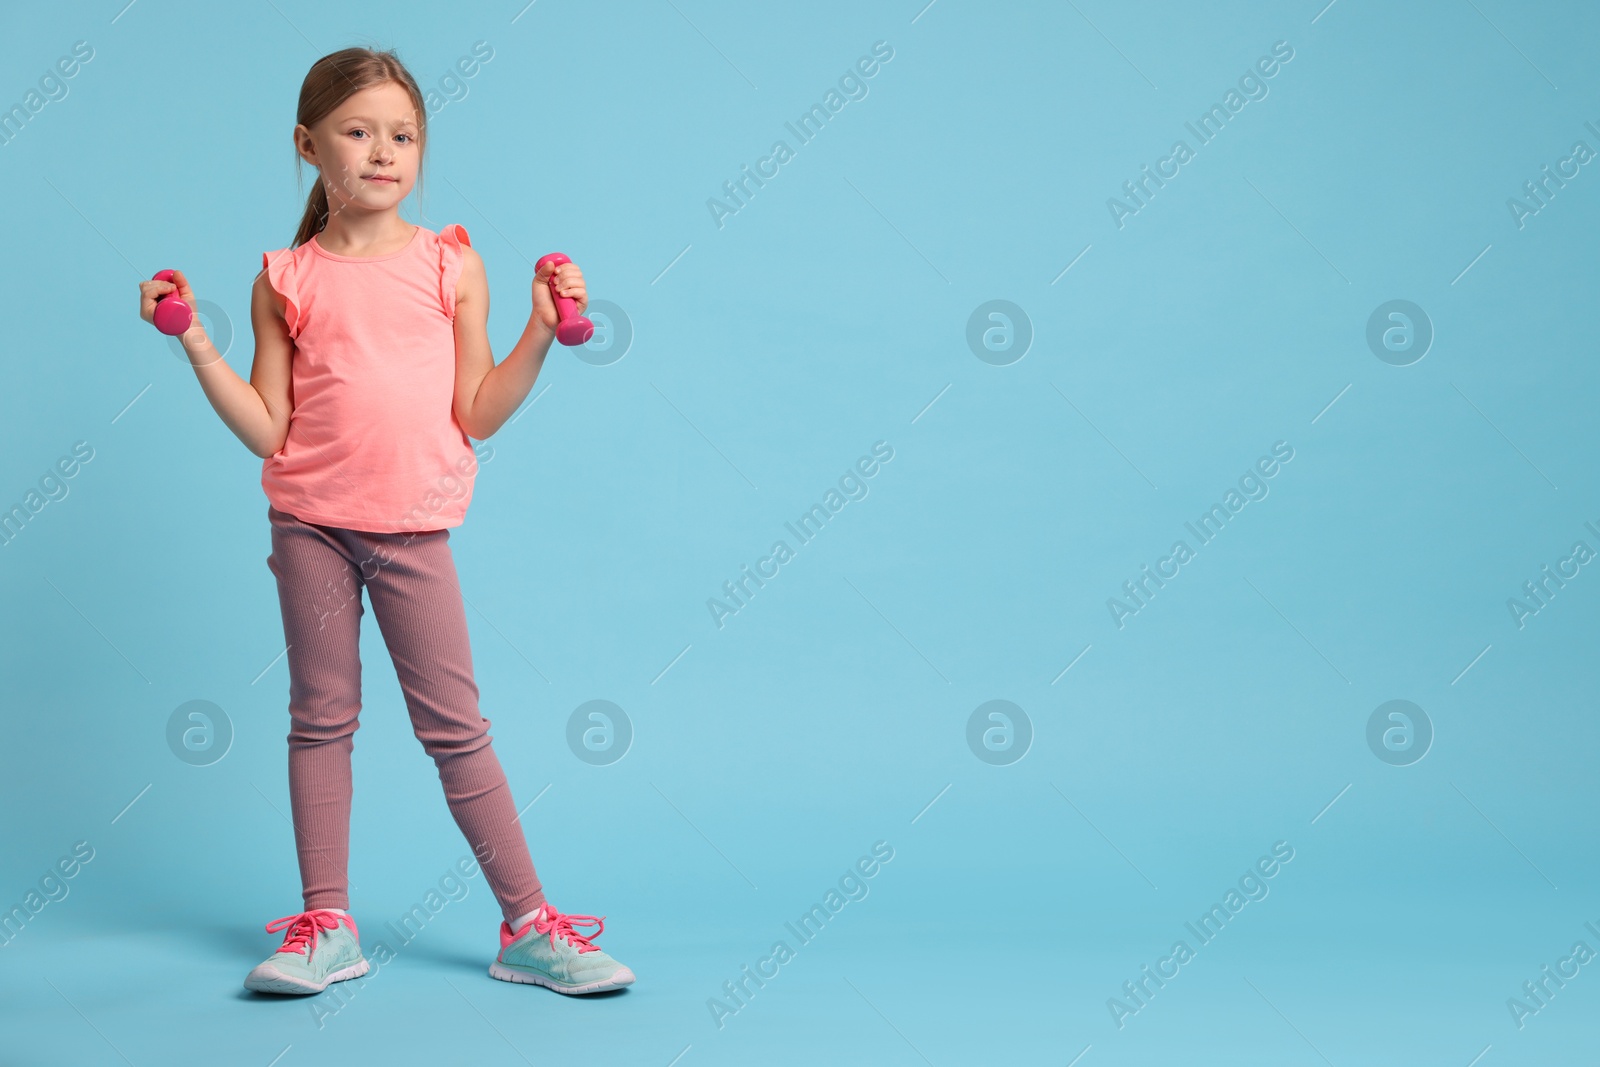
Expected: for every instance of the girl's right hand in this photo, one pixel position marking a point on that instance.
(148, 291)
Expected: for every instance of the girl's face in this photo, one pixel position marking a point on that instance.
(366, 150)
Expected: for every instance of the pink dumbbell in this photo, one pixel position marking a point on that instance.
(572, 329)
(172, 315)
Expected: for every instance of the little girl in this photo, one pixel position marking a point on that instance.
(372, 368)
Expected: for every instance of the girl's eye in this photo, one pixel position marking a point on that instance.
(407, 136)
(354, 132)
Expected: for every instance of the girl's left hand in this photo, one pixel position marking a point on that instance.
(569, 283)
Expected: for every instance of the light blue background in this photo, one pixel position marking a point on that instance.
(826, 315)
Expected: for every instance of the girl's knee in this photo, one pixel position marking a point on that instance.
(456, 740)
(313, 724)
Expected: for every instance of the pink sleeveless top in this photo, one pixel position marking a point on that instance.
(373, 441)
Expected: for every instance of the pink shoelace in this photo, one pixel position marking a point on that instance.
(556, 925)
(304, 928)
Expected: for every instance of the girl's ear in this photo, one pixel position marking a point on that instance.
(304, 145)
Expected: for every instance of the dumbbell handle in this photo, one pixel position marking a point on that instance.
(172, 315)
(572, 329)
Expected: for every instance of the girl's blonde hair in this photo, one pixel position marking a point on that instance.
(331, 81)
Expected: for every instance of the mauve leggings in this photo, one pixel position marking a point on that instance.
(411, 580)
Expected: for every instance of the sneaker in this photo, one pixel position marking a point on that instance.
(309, 959)
(549, 952)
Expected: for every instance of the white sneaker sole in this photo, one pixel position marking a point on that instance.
(268, 979)
(622, 977)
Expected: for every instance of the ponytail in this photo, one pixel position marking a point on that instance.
(315, 218)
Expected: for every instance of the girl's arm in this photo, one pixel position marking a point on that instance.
(488, 394)
(256, 411)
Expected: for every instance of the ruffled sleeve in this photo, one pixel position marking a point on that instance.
(279, 266)
(451, 240)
